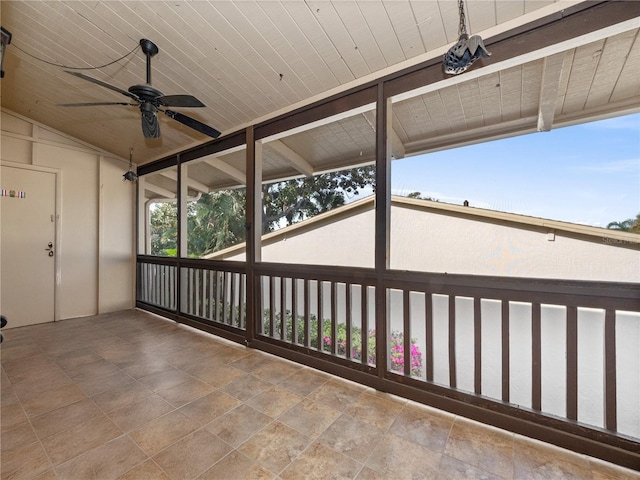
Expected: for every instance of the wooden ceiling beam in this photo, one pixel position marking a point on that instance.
(191, 183)
(292, 157)
(233, 172)
(159, 190)
(551, 73)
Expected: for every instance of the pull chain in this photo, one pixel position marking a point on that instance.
(462, 28)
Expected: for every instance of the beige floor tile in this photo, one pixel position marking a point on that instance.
(396, 457)
(11, 415)
(50, 399)
(453, 469)
(21, 369)
(186, 392)
(163, 431)
(602, 470)
(70, 443)
(216, 377)
(274, 401)
(275, 446)
(165, 379)
(145, 471)
(4, 379)
(304, 381)
(96, 385)
(252, 361)
(87, 371)
(143, 365)
(378, 411)
(19, 436)
(238, 425)
(415, 424)
(535, 460)
(227, 354)
(19, 351)
(309, 418)
(192, 455)
(121, 396)
(139, 412)
(65, 417)
(368, 474)
(275, 371)
(106, 462)
(484, 447)
(237, 466)
(245, 387)
(352, 437)
(186, 355)
(205, 409)
(48, 475)
(24, 462)
(335, 394)
(37, 377)
(320, 462)
(76, 358)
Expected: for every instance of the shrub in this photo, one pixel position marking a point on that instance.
(396, 354)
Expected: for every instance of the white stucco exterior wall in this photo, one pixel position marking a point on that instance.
(442, 241)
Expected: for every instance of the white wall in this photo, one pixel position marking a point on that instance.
(431, 241)
(97, 260)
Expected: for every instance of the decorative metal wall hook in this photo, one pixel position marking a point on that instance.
(466, 50)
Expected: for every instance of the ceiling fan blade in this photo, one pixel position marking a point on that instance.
(103, 84)
(180, 101)
(94, 104)
(193, 123)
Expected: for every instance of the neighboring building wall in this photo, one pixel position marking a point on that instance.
(97, 220)
(347, 242)
(440, 238)
(428, 240)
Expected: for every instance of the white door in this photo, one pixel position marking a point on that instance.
(28, 244)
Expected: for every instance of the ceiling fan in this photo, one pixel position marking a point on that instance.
(151, 101)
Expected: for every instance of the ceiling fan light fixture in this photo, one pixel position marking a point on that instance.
(150, 124)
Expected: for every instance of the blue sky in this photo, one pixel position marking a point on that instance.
(587, 174)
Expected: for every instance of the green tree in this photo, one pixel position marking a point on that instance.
(624, 225)
(419, 196)
(164, 228)
(295, 200)
(217, 220)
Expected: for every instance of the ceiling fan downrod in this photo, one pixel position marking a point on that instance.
(149, 49)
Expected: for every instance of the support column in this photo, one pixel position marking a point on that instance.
(253, 231)
(382, 227)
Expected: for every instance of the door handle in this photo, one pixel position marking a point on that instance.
(49, 249)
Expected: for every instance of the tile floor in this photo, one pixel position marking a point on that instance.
(133, 396)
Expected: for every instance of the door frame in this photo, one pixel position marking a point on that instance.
(57, 226)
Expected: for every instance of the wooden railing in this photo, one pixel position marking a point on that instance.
(215, 294)
(551, 359)
(157, 282)
(544, 345)
(323, 311)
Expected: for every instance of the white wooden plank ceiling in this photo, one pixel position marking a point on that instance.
(249, 60)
